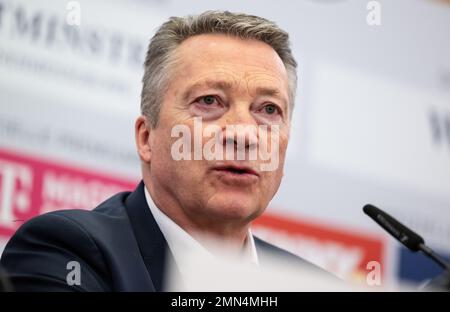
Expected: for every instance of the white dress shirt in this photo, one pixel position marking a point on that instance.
(183, 246)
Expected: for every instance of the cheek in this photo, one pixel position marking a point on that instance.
(282, 149)
(268, 187)
(171, 166)
(160, 142)
(275, 178)
(162, 162)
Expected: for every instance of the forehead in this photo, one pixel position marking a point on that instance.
(210, 56)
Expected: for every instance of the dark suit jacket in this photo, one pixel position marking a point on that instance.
(118, 244)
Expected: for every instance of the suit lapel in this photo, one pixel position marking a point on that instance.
(151, 241)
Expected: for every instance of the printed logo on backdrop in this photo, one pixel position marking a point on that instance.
(44, 28)
(30, 186)
(439, 121)
(350, 255)
(56, 44)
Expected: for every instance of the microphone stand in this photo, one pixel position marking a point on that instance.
(436, 258)
(442, 282)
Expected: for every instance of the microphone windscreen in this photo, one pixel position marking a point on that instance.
(402, 233)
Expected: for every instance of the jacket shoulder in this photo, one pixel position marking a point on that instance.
(38, 255)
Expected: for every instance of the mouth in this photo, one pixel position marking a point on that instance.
(236, 172)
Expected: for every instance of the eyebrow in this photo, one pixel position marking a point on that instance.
(272, 92)
(223, 85)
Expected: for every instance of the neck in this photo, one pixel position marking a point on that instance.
(214, 234)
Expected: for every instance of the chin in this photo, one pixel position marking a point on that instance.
(229, 206)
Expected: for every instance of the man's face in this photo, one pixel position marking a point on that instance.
(225, 81)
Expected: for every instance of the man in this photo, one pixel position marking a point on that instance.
(215, 69)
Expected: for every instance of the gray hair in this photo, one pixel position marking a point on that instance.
(177, 29)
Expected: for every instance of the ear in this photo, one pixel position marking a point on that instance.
(142, 130)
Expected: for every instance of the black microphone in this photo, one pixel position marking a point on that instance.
(406, 236)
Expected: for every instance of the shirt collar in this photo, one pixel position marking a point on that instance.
(182, 244)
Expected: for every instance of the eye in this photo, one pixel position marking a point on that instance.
(270, 112)
(208, 99)
(270, 109)
(208, 106)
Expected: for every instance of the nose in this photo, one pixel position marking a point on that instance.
(240, 128)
